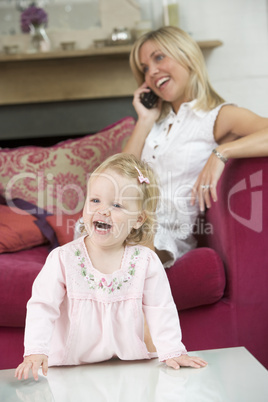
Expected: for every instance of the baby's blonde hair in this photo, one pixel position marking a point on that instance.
(126, 165)
(177, 44)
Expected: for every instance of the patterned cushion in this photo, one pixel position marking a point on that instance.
(54, 178)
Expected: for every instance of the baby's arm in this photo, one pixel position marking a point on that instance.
(32, 362)
(163, 321)
(43, 309)
(186, 361)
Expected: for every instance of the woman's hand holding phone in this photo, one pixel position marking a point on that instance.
(145, 121)
(149, 99)
(142, 110)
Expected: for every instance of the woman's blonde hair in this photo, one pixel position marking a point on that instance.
(178, 45)
(127, 165)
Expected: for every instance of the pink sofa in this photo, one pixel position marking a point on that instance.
(240, 230)
(220, 288)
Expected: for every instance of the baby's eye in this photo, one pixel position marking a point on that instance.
(94, 200)
(116, 205)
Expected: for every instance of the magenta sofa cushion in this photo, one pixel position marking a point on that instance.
(197, 278)
(18, 271)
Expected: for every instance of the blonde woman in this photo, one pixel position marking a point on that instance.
(188, 135)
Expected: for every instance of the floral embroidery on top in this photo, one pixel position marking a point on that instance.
(101, 284)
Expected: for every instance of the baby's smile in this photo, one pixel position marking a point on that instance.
(100, 225)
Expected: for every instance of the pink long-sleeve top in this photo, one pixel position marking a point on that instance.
(79, 315)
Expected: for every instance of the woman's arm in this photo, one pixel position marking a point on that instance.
(240, 133)
(136, 142)
(145, 122)
(249, 130)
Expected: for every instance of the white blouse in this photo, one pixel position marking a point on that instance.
(178, 156)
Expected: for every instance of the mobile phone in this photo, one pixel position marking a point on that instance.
(149, 99)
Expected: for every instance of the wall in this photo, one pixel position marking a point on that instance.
(238, 70)
(70, 20)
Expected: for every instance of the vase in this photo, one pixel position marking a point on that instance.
(39, 40)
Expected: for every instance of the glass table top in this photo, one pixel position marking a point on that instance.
(232, 375)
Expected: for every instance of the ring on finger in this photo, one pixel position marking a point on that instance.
(205, 186)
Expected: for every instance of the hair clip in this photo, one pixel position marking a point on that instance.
(141, 178)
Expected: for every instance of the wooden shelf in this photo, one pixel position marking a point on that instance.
(62, 54)
(90, 52)
(92, 73)
(209, 44)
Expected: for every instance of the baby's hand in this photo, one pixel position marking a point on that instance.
(32, 362)
(186, 361)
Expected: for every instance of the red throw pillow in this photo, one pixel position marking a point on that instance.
(18, 230)
(63, 225)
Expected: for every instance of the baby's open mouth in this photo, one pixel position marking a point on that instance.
(102, 225)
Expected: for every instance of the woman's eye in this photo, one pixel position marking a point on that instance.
(159, 57)
(145, 70)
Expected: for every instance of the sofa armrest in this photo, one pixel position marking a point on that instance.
(239, 222)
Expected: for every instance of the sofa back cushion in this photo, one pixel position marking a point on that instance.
(54, 178)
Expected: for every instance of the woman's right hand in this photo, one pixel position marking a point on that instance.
(142, 112)
(144, 124)
(32, 362)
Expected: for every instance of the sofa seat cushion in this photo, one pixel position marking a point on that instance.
(18, 271)
(197, 278)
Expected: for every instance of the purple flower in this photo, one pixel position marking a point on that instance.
(32, 16)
